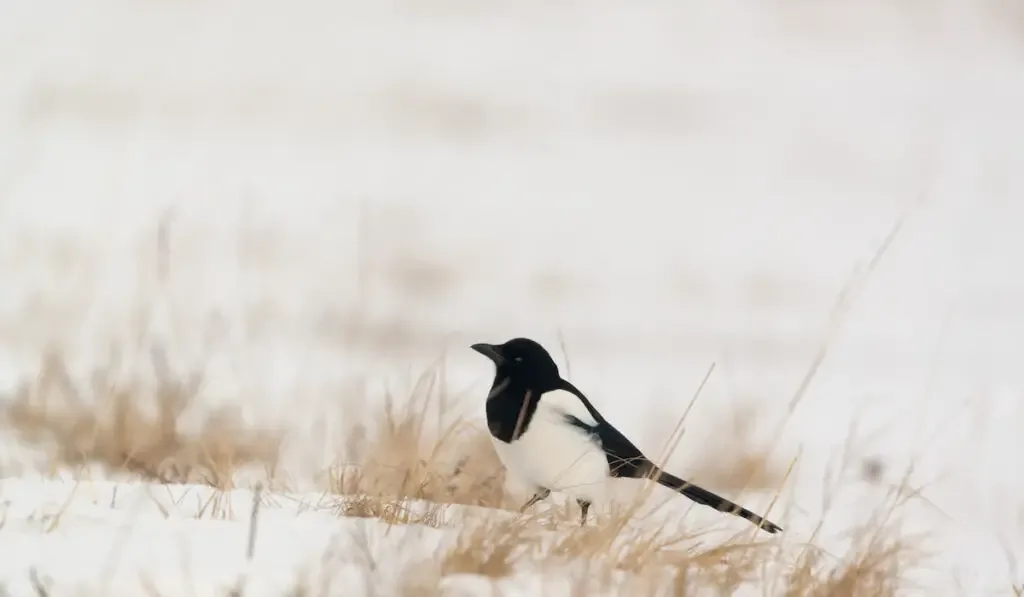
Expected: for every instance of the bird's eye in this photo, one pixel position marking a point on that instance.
(518, 359)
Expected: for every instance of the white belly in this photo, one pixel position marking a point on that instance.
(554, 455)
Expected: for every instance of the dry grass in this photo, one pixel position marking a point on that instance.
(136, 428)
(421, 448)
(748, 464)
(621, 552)
(413, 458)
(420, 455)
(679, 563)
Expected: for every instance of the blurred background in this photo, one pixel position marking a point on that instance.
(309, 197)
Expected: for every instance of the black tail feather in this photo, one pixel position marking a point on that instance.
(705, 497)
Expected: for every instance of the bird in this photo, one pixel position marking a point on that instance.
(546, 432)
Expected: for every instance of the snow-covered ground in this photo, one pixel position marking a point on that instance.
(124, 539)
(81, 537)
(314, 200)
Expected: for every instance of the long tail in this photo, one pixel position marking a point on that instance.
(705, 497)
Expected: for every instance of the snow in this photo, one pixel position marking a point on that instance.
(312, 203)
(126, 539)
(75, 537)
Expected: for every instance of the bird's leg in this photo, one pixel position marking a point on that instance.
(540, 495)
(584, 507)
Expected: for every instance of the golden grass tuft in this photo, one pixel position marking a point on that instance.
(423, 449)
(874, 565)
(134, 428)
(391, 512)
(491, 549)
(680, 563)
(748, 464)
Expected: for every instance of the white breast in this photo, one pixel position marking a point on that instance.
(555, 455)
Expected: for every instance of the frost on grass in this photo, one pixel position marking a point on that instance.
(417, 505)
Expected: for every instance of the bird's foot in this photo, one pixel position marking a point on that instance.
(584, 509)
(540, 495)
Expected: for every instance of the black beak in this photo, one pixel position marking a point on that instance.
(490, 351)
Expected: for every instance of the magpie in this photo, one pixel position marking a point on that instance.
(548, 434)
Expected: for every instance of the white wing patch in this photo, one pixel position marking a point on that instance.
(555, 454)
(566, 403)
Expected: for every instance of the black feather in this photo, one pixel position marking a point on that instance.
(707, 498)
(626, 460)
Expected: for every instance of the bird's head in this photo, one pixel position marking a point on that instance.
(523, 361)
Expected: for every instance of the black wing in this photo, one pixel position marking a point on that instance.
(624, 459)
